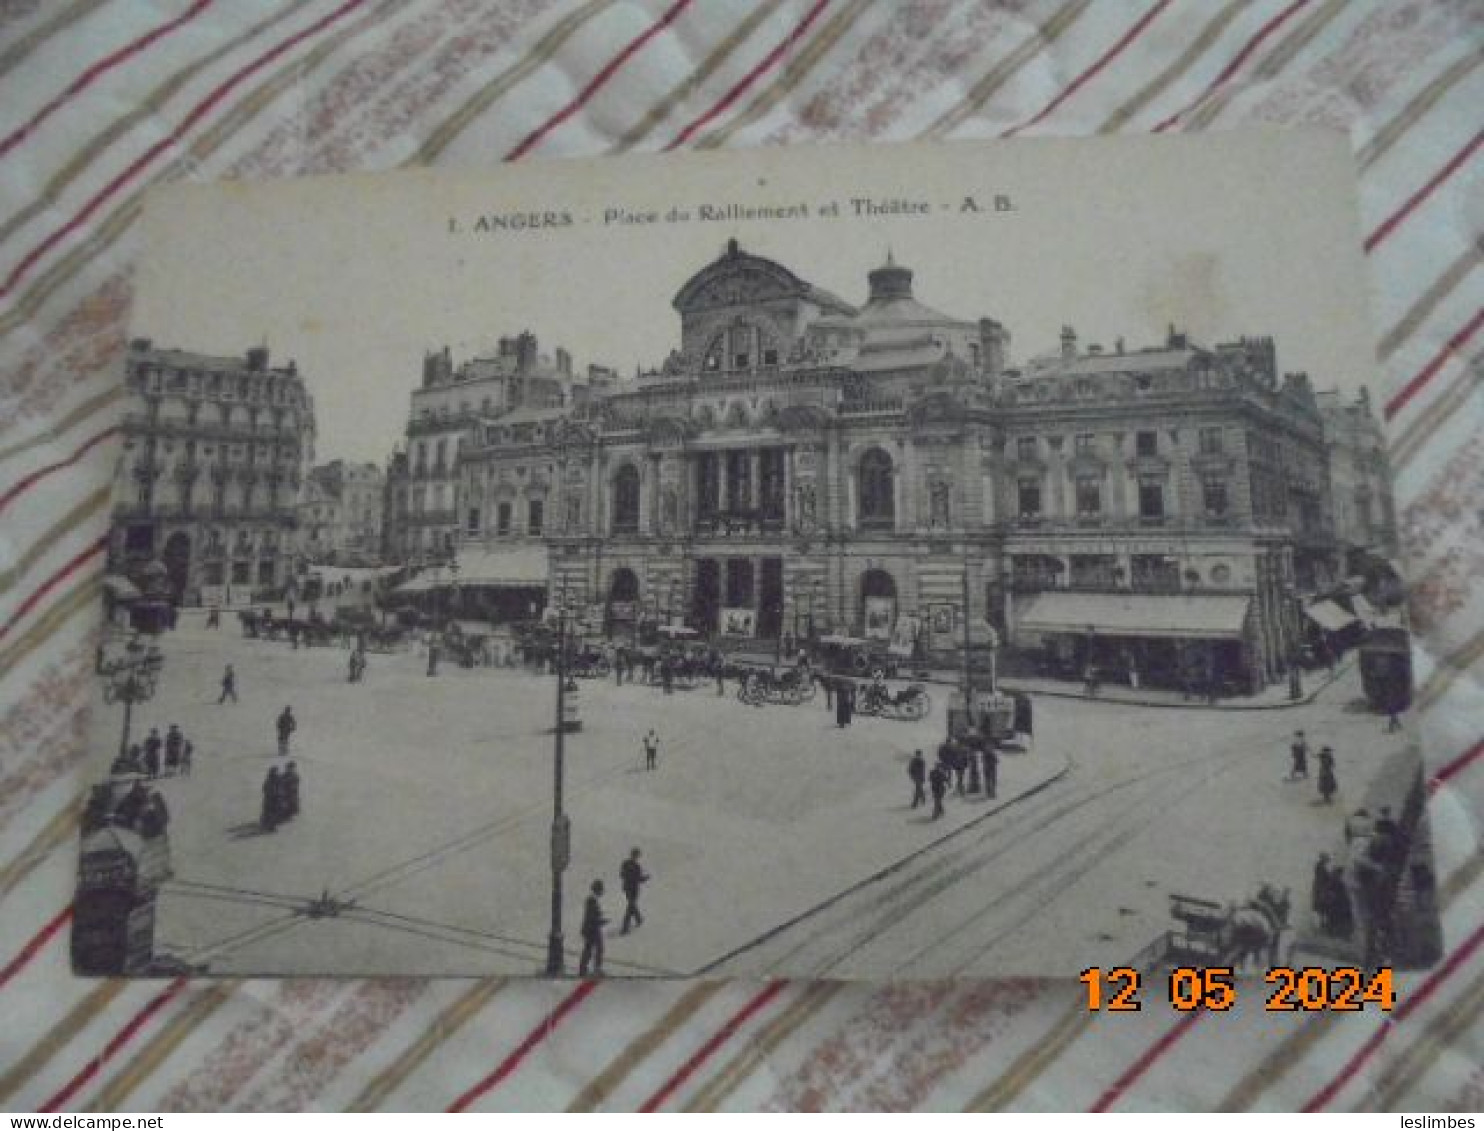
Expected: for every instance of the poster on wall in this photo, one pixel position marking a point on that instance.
(904, 636)
(942, 620)
(880, 616)
(738, 622)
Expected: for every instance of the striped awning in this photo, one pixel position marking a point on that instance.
(1191, 616)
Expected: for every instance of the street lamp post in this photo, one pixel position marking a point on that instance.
(561, 827)
(132, 678)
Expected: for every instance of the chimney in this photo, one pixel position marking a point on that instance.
(525, 351)
(257, 359)
(1068, 342)
(563, 362)
(994, 344)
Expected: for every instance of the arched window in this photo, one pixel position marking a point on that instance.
(626, 500)
(876, 501)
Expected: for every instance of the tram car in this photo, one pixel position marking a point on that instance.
(1386, 668)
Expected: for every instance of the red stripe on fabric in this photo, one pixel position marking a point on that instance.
(1322, 1097)
(53, 581)
(107, 63)
(41, 473)
(768, 63)
(1457, 766)
(120, 1039)
(608, 71)
(533, 1038)
(1242, 56)
(1107, 57)
(201, 109)
(1428, 371)
(29, 951)
(1424, 192)
(719, 1038)
(1140, 1066)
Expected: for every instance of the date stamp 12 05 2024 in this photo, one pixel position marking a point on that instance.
(1309, 989)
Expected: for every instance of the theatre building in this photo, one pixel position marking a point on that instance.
(801, 465)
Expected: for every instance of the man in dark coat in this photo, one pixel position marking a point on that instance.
(152, 746)
(651, 750)
(592, 932)
(631, 875)
(271, 812)
(1299, 753)
(174, 741)
(286, 727)
(991, 770)
(1327, 781)
(917, 772)
(938, 780)
(288, 786)
(229, 686)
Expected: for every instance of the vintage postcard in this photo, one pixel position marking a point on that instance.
(867, 563)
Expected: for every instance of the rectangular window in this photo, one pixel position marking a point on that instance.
(535, 516)
(1025, 449)
(1210, 441)
(1213, 494)
(1089, 495)
(708, 487)
(1151, 500)
(770, 357)
(1093, 571)
(1085, 443)
(472, 524)
(770, 486)
(1146, 443)
(1029, 491)
(502, 519)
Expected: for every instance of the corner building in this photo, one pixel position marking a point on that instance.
(801, 466)
(215, 450)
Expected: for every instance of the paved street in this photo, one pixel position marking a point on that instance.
(426, 810)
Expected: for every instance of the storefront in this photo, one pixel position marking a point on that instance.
(1198, 643)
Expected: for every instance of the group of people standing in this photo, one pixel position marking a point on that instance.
(631, 877)
(157, 757)
(956, 761)
(280, 797)
(1298, 752)
(141, 810)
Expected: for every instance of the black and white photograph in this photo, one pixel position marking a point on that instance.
(885, 564)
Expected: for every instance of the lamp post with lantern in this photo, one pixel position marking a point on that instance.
(131, 678)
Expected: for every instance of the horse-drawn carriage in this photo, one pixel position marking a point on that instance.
(1215, 934)
(791, 686)
(909, 704)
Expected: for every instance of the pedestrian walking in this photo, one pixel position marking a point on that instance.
(186, 753)
(592, 932)
(959, 764)
(938, 780)
(432, 658)
(1320, 900)
(289, 788)
(1299, 753)
(214, 619)
(1327, 783)
(651, 750)
(229, 686)
(991, 772)
(917, 774)
(152, 747)
(174, 740)
(272, 801)
(1342, 911)
(287, 724)
(842, 706)
(828, 683)
(631, 876)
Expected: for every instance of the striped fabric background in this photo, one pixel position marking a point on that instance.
(103, 98)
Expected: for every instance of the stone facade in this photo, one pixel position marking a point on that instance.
(1360, 476)
(423, 519)
(817, 467)
(211, 469)
(341, 514)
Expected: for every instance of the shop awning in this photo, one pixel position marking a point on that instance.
(522, 567)
(1329, 615)
(1186, 616)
